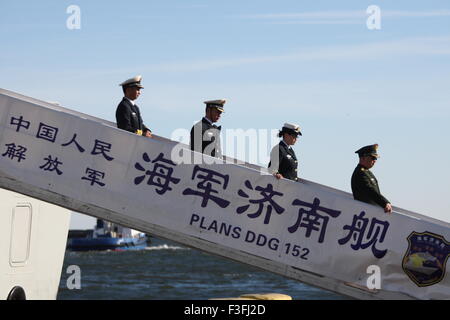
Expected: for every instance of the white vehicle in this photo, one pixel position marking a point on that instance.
(33, 238)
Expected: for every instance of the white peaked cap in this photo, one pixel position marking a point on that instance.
(132, 82)
(291, 127)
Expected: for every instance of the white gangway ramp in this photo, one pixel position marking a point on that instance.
(305, 231)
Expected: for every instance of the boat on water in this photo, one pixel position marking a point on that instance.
(106, 236)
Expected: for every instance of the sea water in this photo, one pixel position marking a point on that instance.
(167, 271)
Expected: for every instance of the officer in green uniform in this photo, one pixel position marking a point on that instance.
(364, 184)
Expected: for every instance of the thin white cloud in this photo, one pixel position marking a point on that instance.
(368, 51)
(338, 17)
(415, 14)
(365, 51)
(306, 15)
(312, 22)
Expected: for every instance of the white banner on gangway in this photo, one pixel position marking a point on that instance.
(301, 226)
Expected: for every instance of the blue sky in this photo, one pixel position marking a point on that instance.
(314, 63)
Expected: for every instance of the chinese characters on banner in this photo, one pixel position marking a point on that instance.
(54, 163)
(159, 173)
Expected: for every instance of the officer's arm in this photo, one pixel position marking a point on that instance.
(123, 118)
(370, 190)
(196, 138)
(274, 163)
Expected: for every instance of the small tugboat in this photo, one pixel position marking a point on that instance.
(106, 236)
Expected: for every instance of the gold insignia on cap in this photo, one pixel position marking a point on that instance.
(218, 101)
(218, 104)
(370, 150)
(292, 126)
(135, 81)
